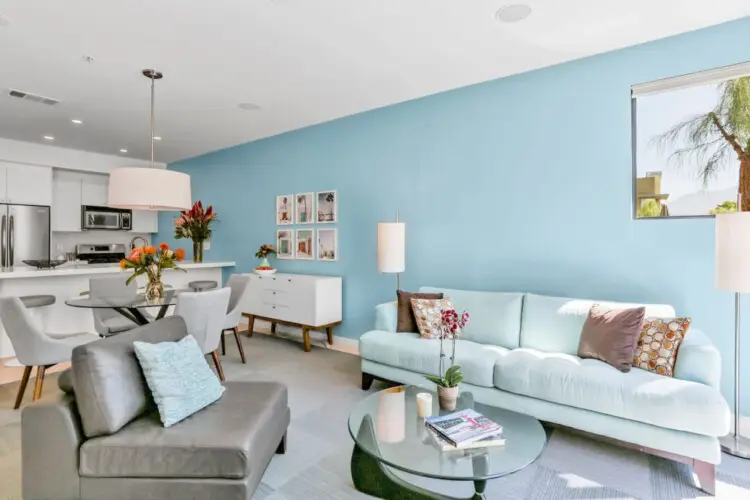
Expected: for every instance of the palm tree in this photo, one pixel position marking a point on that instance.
(714, 138)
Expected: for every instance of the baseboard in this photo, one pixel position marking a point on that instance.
(318, 339)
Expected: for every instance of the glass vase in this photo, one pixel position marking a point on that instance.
(154, 288)
(197, 251)
(264, 262)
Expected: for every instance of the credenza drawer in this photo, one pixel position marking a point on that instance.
(275, 311)
(277, 297)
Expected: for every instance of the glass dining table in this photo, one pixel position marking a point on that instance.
(131, 307)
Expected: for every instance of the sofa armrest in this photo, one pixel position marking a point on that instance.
(698, 360)
(50, 440)
(386, 316)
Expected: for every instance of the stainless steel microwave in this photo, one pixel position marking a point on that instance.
(106, 218)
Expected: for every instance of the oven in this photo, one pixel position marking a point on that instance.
(105, 218)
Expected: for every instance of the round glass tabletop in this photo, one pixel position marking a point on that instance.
(126, 302)
(386, 426)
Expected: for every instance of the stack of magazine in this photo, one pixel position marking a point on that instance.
(464, 430)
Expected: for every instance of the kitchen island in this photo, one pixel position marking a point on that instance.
(70, 280)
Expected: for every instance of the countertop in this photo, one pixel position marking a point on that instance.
(86, 269)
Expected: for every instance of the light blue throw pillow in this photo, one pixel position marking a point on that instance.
(179, 377)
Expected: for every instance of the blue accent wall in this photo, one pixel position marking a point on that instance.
(519, 184)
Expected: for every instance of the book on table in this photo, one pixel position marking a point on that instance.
(463, 427)
(444, 445)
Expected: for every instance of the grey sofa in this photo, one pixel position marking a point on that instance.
(103, 438)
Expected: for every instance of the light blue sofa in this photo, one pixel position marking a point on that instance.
(519, 352)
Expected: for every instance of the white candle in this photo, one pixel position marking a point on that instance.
(424, 404)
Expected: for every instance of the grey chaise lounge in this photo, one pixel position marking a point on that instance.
(103, 439)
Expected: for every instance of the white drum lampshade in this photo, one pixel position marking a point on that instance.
(138, 188)
(391, 247)
(733, 251)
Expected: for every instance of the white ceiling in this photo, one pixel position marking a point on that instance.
(303, 62)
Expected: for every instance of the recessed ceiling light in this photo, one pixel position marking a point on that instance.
(157, 138)
(77, 122)
(513, 13)
(123, 151)
(248, 106)
(49, 138)
(88, 59)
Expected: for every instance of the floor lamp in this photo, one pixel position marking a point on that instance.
(733, 274)
(392, 248)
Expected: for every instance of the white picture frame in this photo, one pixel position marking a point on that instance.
(328, 244)
(304, 208)
(326, 203)
(304, 245)
(285, 244)
(285, 210)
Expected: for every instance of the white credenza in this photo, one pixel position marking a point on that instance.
(309, 302)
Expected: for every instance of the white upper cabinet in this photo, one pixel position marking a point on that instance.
(145, 221)
(66, 201)
(25, 184)
(94, 189)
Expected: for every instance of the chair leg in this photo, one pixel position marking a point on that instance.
(223, 344)
(217, 362)
(239, 344)
(39, 382)
(281, 449)
(22, 387)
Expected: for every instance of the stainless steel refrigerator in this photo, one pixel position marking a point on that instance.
(24, 234)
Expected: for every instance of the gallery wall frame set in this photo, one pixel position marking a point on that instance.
(307, 208)
(306, 244)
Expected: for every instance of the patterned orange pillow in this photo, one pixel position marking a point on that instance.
(427, 315)
(657, 347)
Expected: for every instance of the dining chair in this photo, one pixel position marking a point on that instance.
(237, 283)
(204, 314)
(34, 347)
(108, 321)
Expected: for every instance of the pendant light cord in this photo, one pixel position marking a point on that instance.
(153, 74)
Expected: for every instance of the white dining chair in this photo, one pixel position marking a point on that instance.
(237, 283)
(204, 314)
(34, 347)
(108, 321)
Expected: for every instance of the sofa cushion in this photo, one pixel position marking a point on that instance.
(228, 439)
(495, 316)
(553, 324)
(410, 352)
(593, 385)
(109, 385)
(406, 320)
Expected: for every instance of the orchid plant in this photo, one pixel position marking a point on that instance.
(451, 326)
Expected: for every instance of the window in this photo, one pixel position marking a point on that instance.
(691, 139)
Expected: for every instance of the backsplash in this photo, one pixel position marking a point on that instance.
(66, 242)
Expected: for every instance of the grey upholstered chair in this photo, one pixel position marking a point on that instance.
(108, 321)
(204, 314)
(34, 347)
(237, 283)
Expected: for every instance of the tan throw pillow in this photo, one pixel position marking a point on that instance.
(406, 322)
(658, 345)
(610, 335)
(427, 313)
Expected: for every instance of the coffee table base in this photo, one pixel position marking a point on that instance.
(372, 478)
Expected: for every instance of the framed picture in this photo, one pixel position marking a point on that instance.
(284, 244)
(327, 209)
(305, 208)
(285, 209)
(305, 245)
(328, 244)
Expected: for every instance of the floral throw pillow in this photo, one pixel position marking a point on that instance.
(427, 313)
(657, 347)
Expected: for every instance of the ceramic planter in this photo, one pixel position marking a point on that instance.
(447, 397)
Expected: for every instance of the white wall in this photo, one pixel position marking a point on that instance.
(70, 240)
(71, 159)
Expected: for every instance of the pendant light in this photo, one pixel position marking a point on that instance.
(138, 188)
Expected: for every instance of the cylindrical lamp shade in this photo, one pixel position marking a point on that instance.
(138, 188)
(391, 247)
(733, 251)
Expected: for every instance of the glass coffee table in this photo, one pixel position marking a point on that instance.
(388, 432)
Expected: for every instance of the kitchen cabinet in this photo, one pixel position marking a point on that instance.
(145, 221)
(66, 201)
(25, 184)
(94, 190)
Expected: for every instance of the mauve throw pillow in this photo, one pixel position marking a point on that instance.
(406, 321)
(611, 335)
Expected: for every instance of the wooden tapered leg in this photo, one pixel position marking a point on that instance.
(223, 344)
(239, 343)
(250, 325)
(706, 476)
(329, 331)
(39, 382)
(217, 362)
(22, 387)
(273, 327)
(306, 338)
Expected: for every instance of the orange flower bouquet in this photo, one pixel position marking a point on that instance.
(151, 261)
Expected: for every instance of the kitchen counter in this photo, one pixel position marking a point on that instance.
(88, 269)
